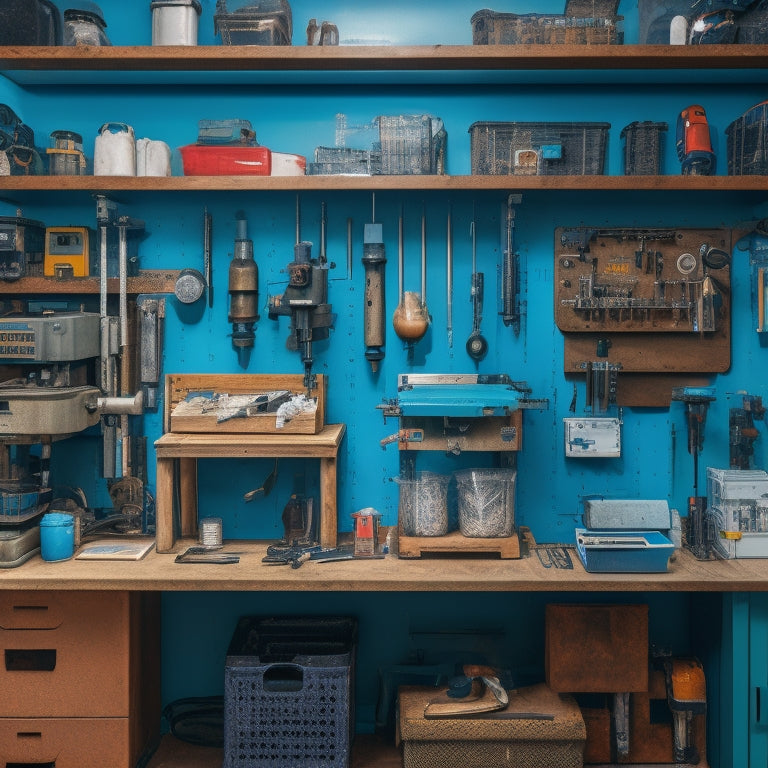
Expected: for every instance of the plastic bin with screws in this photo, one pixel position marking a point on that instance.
(423, 504)
(486, 502)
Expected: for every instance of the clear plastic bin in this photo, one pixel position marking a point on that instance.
(423, 508)
(486, 502)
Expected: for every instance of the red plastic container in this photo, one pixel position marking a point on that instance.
(201, 160)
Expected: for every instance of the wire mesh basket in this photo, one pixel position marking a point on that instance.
(752, 26)
(244, 22)
(538, 149)
(493, 28)
(747, 142)
(389, 144)
(348, 161)
(412, 144)
(643, 148)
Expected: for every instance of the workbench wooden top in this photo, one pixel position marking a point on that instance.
(323, 444)
(159, 572)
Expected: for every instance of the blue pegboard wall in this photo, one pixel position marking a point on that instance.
(293, 117)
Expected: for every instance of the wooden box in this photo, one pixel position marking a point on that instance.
(597, 648)
(183, 416)
(538, 729)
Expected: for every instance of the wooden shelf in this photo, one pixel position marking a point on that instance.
(148, 281)
(390, 574)
(594, 183)
(367, 752)
(380, 58)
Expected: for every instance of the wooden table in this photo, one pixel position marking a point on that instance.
(187, 448)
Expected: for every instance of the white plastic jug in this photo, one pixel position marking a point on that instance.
(153, 158)
(115, 151)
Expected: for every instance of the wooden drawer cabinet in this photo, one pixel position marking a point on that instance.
(83, 672)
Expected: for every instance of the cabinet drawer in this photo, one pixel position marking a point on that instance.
(66, 742)
(65, 654)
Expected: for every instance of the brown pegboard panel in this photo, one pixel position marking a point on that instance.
(650, 300)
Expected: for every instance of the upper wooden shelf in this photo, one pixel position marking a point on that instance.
(147, 281)
(381, 58)
(93, 184)
(40, 65)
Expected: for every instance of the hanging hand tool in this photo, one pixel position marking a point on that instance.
(477, 346)
(243, 289)
(305, 301)
(411, 318)
(510, 272)
(449, 279)
(374, 259)
(207, 254)
(697, 400)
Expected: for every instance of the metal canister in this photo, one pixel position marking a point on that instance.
(85, 25)
(175, 22)
(65, 155)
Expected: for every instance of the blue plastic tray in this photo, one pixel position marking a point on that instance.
(623, 551)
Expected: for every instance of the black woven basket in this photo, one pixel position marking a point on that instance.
(289, 693)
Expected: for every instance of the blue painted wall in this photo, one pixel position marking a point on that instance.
(292, 116)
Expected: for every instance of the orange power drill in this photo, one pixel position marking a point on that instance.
(694, 147)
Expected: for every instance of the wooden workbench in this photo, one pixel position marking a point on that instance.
(159, 572)
(186, 449)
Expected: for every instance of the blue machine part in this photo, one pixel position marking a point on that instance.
(459, 400)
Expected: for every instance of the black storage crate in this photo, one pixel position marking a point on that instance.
(643, 148)
(30, 22)
(747, 142)
(289, 692)
(538, 149)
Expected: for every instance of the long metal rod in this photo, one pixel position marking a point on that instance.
(424, 257)
(449, 278)
(123, 298)
(400, 256)
(349, 248)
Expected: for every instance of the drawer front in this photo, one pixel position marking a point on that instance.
(65, 742)
(64, 654)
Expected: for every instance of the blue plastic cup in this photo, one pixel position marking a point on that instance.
(57, 536)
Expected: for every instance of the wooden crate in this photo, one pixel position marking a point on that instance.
(180, 416)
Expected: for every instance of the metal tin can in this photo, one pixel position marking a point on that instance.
(174, 22)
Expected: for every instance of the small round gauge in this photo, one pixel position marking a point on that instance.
(686, 263)
(189, 286)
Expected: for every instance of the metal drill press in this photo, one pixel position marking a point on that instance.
(305, 301)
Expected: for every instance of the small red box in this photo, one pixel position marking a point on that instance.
(202, 160)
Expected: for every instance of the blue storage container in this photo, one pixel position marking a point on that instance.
(623, 551)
